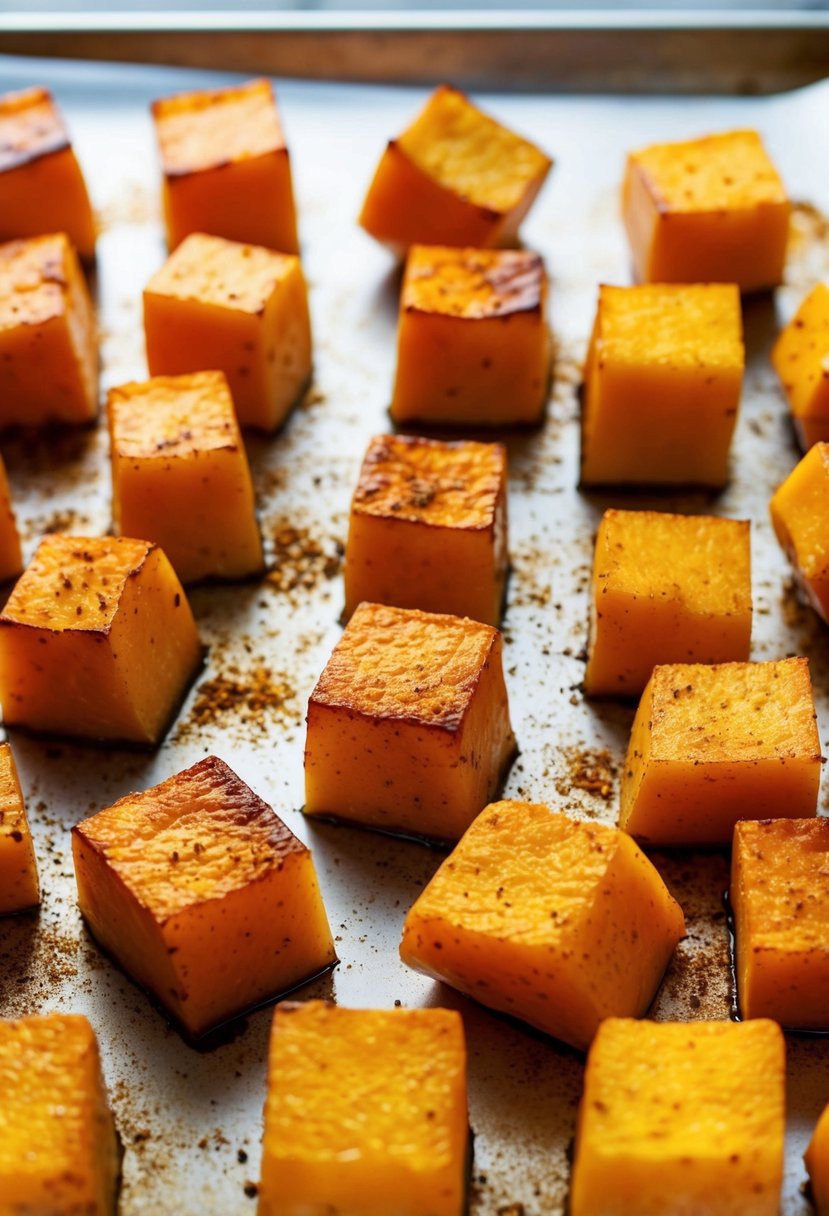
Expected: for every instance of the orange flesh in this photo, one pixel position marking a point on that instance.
(557, 922)
(47, 335)
(11, 557)
(208, 128)
(714, 744)
(780, 902)
(408, 726)
(798, 513)
(19, 887)
(41, 185)
(366, 1112)
(241, 309)
(181, 477)
(817, 1163)
(96, 640)
(801, 360)
(707, 210)
(203, 895)
(694, 1111)
(473, 344)
(662, 384)
(471, 154)
(472, 283)
(666, 588)
(59, 1152)
(428, 528)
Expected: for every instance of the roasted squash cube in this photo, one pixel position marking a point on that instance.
(48, 346)
(19, 886)
(42, 189)
(557, 922)
(404, 1072)
(241, 309)
(408, 726)
(799, 512)
(454, 177)
(662, 385)
(473, 346)
(666, 589)
(97, 641)
(59, 1151)
(11, 557)
(714, 744)
(226, 167)
(681, 1117)
(203, 895)
(817, 1163)
(801, 360)
(780, 905)
(710, 210)
(180, 475)
(428, 528)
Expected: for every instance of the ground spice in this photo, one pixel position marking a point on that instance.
(591, 770)
(301, 560)
(255, 698)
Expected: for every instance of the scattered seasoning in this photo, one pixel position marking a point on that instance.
(256, 698)
(301, 560)
(591, 770)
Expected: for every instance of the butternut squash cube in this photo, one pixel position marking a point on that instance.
(709, 210)
(11, 556)
(408, 726)
(59, 1150)
(454, 177)
(780, 905)
(42, 189)
(240, 309)
(666, 589)
(428, 528)
(681, 1117)
(97, 641)
(473, 346)
(662, 385)
(799, 512)
(48, 343)
(19, 886)
(714, 744)
(203, 896)
(226, 166)
(403, 1073)
(180, 475)
(817, 1163)
(801, 360)
(557, 922)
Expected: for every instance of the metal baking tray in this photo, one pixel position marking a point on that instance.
(191, 1120)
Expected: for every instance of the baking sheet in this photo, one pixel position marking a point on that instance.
(191, 1121)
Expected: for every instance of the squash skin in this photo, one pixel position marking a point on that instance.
(366, 1113)
(681, 1117)
(556, 922)
(226, 168)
